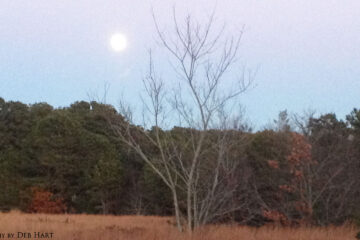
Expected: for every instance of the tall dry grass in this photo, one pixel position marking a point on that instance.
(97, 227)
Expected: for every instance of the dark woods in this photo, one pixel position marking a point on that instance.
(73, 160)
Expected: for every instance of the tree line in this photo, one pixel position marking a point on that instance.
(76, 159)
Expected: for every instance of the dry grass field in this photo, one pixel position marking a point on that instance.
(95, 227)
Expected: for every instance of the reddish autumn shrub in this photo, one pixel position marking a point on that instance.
(276, 216)
(273, 164)
(44, 201)
(294, 195)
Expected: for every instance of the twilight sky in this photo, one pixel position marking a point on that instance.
(307, 52)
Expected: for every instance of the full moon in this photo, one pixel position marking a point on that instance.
(118, 42)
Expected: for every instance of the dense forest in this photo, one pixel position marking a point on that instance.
(71, 159)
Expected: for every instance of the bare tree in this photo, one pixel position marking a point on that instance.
(301, 121)
(193, 159)
(94, 95)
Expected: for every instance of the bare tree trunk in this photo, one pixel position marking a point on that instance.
(177, 210)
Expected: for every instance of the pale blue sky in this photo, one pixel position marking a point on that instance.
(308, 52)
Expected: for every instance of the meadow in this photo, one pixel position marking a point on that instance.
(106, 227)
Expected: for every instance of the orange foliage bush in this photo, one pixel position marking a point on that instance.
(300, 151)
(276, 217)
(44, 202)
(273, 164)
(299, 160)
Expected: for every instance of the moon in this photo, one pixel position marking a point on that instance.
(118, 42)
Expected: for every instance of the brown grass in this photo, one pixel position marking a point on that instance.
(97, 227)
